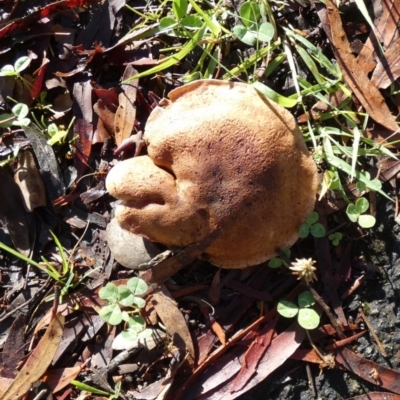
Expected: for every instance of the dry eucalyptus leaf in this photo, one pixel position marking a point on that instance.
(12, 213)
(29, 181)
(126, 112)
(174, 321)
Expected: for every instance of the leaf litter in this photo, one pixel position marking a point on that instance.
(213, 338)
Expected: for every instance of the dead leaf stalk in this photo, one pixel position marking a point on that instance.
(371, 329)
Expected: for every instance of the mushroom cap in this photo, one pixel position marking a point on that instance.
(219, 155)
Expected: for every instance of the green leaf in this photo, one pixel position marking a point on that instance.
(312, 218)
(125, 297)
(308, 318)
(109, 293)
(22, 63)
(211, 23)
(175, 58)
(375, 185)
(167, 23)
(87, 388)
(304, 231)
(58, 138)
(317, 230)
(275, 262)
(111, 314)
(22, 122)
(137, 286)
(361, 186)
(192, 22)
(305, 299)
(52, 129)
(265, 32)
(366, 221)
(136, 323)
(8, 118)
(352, 213)
(362, 205)
(7, 70)
(20, 110)
(244, 35)
(274, 96)
(131, 334)
(179, 8)
(250, 13)
(287, 309)
(139, 302)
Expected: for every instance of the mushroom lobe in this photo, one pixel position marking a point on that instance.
(219, 155)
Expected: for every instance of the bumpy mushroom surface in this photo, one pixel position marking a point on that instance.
(219, 155)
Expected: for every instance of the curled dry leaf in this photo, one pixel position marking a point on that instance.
(29, 181)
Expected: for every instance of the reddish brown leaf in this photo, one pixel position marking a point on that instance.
(58, 379)
(38, 361)
(106, 116)
(376, 396)
(126, 113)
(281, 348)
(344, 342)
(41, 13)
(253, 356)
(387, 378)
(368, 95)
(248, 290)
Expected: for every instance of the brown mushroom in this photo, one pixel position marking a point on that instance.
(219, 155)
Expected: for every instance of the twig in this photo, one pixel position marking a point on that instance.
(371, 329)
(311, 381)
(322, 303)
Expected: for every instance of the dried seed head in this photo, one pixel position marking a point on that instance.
(304, 269)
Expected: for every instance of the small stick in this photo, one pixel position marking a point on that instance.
(371, 329)
(322, 303)
(311, 381)
(356, 284)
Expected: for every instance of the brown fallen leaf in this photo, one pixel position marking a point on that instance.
(14, 347)
(38, 361)
(376, 396)
(106, 116)
(58, 379)
(253, 356)
(280, 349)
(174, 321)
(368, 95)
(126, 112)
(49, 168)
(12, 212)
(165, 269)
(388, 68)
(29, 181)
(387, 378)
(386, 32)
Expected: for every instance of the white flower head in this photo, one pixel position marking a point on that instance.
(304, 269)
